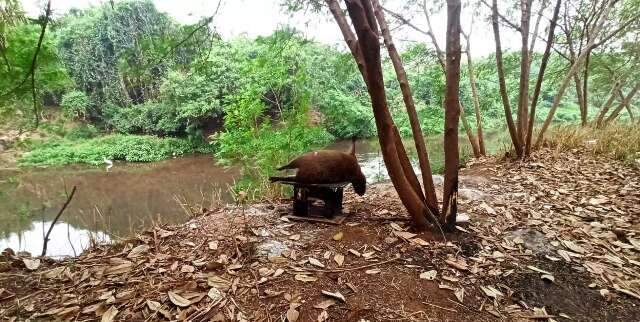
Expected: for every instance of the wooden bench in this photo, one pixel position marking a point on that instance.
(306, 194)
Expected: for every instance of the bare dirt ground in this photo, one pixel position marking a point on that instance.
(554, 239)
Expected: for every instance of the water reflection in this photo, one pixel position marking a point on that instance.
(64, 240)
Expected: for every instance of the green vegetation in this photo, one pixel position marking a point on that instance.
(132, 148)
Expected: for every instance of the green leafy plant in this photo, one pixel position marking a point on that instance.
(75, 104)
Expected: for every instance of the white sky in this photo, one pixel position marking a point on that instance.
(261, 17)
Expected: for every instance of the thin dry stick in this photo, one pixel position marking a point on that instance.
(440, 307)
(351, 268)
(53, 223)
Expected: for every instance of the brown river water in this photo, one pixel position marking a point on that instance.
(119, 201)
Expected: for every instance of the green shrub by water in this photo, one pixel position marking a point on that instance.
(130, 148)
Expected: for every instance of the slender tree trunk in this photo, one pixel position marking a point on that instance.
(421, 149)
(523, 90)
(407, 168)
(452, 114)
(474, 93)
(501, 80)
(543, 68)
(572, 70)
(631, 116)
(439, 54)
(474, 97)
(578, 84)
(364, 22)
(622, 104)
(585, 91)
(475, 147)
(347, 34)
(604, 109)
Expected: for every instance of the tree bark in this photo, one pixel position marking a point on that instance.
(578, 84)
(604, 109)
(363, 20)
(347, 34)
(627, 99)
(572, 70)
(585, 91)
(523, 89)
(452, 114)
(501, 80)
(421, 149)
(474, 96)
(543, 67)
(475, 147)
(407, 168)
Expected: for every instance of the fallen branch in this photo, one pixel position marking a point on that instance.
(55, 220)
(440, 307)
(351, 268)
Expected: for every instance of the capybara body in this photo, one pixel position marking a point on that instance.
(328, 166)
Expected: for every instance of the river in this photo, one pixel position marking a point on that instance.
(119, 201)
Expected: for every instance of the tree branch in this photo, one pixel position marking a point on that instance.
(55, 220)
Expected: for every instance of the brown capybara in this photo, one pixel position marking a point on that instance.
(327, 166)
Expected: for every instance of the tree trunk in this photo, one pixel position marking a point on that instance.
(452, 114)
(475, 147)
(501, 80)
(578, 83)
(407, 168)
(474, 97)
(631, 116)
(421, 149)
(523, 90)
(622, 104)
(347, 34)
(604, 109)
(363, 20)
(572, 70)
(585, 92)
(543, 67)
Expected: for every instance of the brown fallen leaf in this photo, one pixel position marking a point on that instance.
(548, 277)
(404, 234)
(459, 293)
(325, 304)
(178, 300)
(335, 295)
(292, 315)
(295, 237)
(305, 278)
(187, 269)
(31, 264)
(109, 315)
(315, 262)
(138, 251)
(429, 275)
(215, 294)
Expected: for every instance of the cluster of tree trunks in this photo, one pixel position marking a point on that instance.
(368, 21)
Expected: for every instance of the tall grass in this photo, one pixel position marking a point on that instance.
(620, 141)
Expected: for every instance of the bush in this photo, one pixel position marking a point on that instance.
(346, 116)
(75, 104)
(83, 131)
(130, 148)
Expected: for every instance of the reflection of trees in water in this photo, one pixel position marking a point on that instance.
(120, 201)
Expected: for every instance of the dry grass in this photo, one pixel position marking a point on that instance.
(619, 141)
